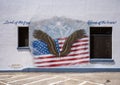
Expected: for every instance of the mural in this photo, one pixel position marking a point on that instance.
(59, 42)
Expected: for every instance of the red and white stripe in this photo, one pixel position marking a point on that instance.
(79, 54)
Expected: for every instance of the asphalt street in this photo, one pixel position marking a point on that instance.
(43, 78)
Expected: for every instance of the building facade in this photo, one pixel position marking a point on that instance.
(20, 50)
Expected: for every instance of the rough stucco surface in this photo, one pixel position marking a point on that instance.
(14, 11)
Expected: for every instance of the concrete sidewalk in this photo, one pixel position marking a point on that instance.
(42, 78)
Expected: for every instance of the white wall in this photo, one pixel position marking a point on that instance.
(27, 10)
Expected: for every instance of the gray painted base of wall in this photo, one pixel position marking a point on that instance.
(82, 70)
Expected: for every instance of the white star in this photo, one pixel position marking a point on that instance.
(58, 23)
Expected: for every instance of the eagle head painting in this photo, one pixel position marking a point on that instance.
(59, 42)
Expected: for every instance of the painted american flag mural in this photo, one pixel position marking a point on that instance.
(79, 52)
